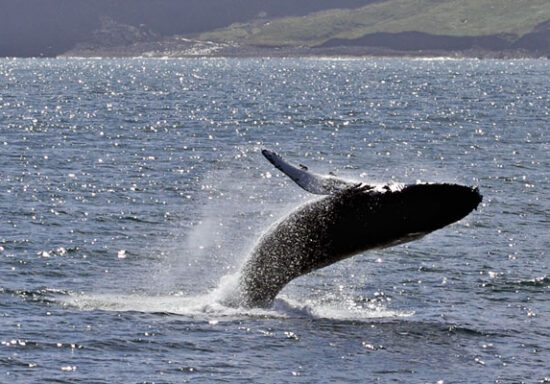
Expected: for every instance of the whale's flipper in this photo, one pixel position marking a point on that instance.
(311, 182)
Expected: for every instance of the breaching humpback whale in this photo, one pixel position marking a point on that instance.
(350, 219)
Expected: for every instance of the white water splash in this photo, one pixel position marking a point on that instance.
(214, 305)
(209, 249)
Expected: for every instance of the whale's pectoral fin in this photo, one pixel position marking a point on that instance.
(311, 182)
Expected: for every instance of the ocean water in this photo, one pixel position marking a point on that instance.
(132, 190)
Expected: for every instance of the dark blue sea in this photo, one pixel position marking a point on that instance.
(132, 190)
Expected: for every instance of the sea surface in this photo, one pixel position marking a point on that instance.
(132, 190)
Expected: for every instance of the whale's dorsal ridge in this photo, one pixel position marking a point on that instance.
(311, 182)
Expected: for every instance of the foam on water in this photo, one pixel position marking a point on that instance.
(203, 306)
(222, 303)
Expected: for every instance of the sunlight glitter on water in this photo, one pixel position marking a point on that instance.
(170, 127)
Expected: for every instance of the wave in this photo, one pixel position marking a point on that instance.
(542, 282)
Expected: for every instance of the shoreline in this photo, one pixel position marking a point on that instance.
(280, 56)
(199, 49)
(299, 52)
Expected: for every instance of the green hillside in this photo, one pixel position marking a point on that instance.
(437, 17)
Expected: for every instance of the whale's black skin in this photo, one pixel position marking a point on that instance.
(346, 223)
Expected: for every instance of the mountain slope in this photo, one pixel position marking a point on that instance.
(514, 18)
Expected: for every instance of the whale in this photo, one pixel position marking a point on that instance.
(346, 219)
